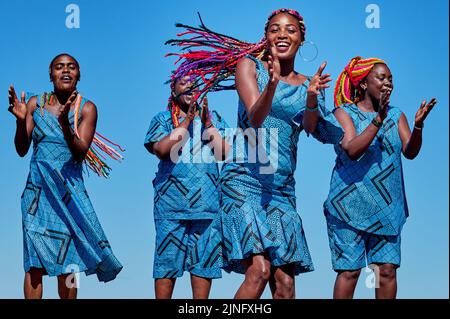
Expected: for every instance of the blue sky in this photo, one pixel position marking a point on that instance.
(120, 47)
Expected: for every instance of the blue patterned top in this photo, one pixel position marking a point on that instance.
(187, 189)
(369, 193)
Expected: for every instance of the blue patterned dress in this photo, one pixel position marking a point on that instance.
(61, 232)
(369, 194)
(258, 202)
(186, 203)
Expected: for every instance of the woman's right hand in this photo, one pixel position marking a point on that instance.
(273, 66)
(384, 103)
(16, 107)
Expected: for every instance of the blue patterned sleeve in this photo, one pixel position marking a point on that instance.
(328, 129)
(157, 130)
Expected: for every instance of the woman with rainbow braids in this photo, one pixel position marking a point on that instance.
(366, 206)
(61, 232)
(263, 236)
(186, 195)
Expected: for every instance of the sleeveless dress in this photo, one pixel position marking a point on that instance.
(258, 202)
(61, 232)
(369, 194)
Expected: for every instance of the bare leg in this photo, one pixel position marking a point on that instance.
(32, 286)
(256, 277)
(200, 287)
(345, 284)
(388, 282)
(164, 288)
(282, 282)
(67, 286)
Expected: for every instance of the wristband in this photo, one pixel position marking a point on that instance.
(376, 123)
(312, 109)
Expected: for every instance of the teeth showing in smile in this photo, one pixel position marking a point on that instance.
(66, 78)
(282, 45)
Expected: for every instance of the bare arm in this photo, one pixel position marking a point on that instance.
(412, 142)
(317, 83)
(354, 145)
(79, 145)
(163, 147)
(257, 104)
(24, 120)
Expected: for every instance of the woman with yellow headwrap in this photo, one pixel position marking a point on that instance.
(366, 206)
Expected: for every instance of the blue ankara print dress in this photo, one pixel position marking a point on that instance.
(61, 232)
(369, 194)
(186, 198)
(258, 208)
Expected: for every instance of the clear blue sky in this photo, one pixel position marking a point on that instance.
(120, 46)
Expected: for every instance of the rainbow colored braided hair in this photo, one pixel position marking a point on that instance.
(210, 58)
(347, 85)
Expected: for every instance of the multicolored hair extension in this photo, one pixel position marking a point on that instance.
(100, 148)
(210, 58)
(347, 85)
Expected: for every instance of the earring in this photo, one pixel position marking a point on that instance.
(308, 51)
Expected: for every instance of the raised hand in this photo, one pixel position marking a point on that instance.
(63, 110)
(274, 67)
(16, 107)
(423, 112)
(384, 102)
(205, 116)
(318, 81)
(190, 115)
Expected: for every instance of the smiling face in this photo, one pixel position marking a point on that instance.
(378, 81)
(182, 92)
(64, 73)
(284, 33)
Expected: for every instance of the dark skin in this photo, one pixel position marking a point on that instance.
(184, 97)
(376, 90)
(65, 74)
(284, 39)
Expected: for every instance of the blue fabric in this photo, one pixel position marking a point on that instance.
(353, 249)
(180, 247)
(369, 193)
(258, 202)
(188, 188)
(60, 228)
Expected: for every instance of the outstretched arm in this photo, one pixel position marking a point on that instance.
(412, 142)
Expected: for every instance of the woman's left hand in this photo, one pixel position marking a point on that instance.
(423, 112)
(205, 116)
(318, 81)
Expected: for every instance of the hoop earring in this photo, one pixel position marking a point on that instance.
(308, 53)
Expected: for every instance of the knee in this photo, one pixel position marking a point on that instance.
(387, 272)
(35, 275)
(352, 275)
(285, 282)
(259, 275)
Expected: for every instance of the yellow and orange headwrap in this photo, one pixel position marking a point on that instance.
(346, 90)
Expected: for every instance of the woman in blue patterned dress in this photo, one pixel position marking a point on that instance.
(61, 232)
(188, 142)
(263, 233)
(366, 206)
